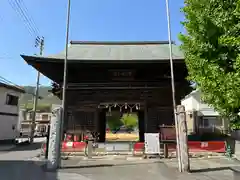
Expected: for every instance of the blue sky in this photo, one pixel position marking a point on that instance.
(96, 20)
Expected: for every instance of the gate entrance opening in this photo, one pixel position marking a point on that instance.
(122, 126)
(122, 121)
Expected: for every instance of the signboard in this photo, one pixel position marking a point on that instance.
(152, 145)
(122, 74)
(168, 133)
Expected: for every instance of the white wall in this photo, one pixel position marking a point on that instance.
(39, 116)
(193, 102)
(6, 121)
(3, 106)
(199, 104)
(188, 103)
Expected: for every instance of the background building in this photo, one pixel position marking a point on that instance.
(9, 112)
(201, 117)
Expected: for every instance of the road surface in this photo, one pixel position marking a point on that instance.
(15, 163)
(204, 169)
(18, 164)
(23, 152)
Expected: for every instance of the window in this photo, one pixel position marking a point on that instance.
(204, 122)
(207, 122)
(38, 116)
(30, 115)
(218, 121)
(45, 117)
(11, 100)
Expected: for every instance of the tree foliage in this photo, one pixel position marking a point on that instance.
(130, 121)
(212, 51)
(114, 121)
(40, 107)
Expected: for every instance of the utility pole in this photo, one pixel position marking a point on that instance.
(39, 42)
(173, 86)
(65, 75)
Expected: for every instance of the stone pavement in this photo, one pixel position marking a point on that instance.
(20, 165)
(211, 168)
(28, 170)
(204, 169)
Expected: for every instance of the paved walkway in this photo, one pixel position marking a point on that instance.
(16, 165)
(204, 169)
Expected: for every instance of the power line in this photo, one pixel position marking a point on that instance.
(6, 81)
(24, 16)
(14, 7)
(31, 20)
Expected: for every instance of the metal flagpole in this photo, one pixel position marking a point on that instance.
(64, 111)
(173, 85)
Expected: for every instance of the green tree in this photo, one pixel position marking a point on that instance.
(212, 51)
(113, 121)
(40, 107)
(130, 121)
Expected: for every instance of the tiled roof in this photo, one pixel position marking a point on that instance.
(12, 87)
(142, 50)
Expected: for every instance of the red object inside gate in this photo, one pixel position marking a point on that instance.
(194, 146)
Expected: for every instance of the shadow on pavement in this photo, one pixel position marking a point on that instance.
(209, 169)
(24, 170)
(89, 165)
(25, 147)
(234, 169)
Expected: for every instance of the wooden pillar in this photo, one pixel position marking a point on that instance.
(165, 150)
(183, 139)
(102, 126)
(146, 117)
(141, 125)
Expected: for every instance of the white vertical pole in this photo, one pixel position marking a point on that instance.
(65, 73)
(173, 85)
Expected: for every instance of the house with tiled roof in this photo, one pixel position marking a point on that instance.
(201, 117)
(9, 112)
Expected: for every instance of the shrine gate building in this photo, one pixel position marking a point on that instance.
(116, 74)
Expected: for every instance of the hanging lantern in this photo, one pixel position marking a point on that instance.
(126, 105)
(136, 107)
